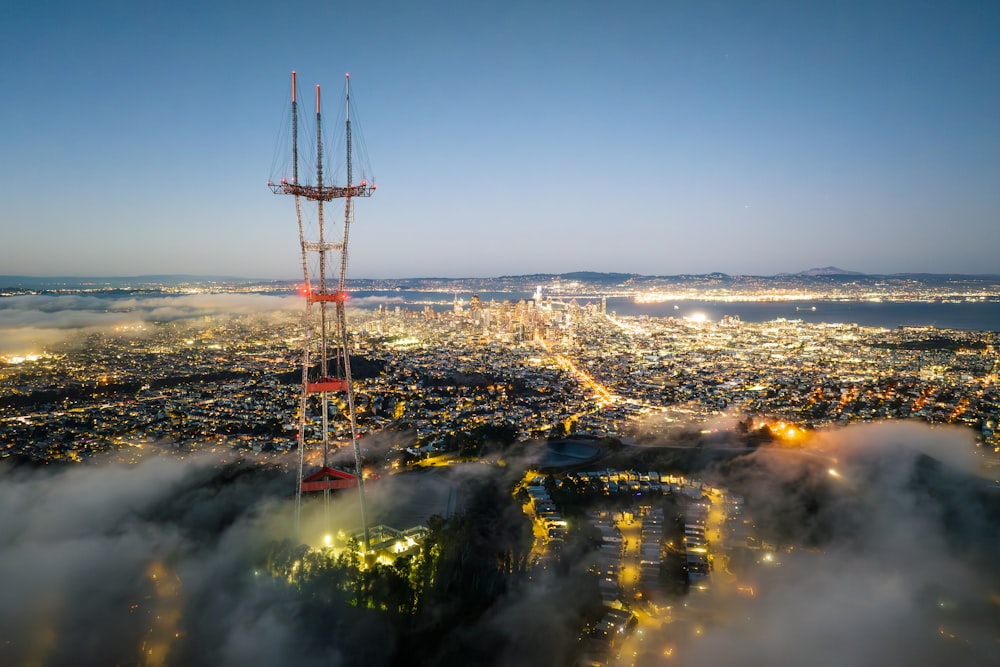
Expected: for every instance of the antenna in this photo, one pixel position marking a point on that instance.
(318, 318)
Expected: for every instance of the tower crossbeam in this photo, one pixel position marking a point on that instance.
(321, 192)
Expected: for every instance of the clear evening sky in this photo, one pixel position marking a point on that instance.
(657, 137)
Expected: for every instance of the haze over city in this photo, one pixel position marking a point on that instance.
(657, 138)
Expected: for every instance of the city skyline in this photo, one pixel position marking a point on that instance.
(663, 140)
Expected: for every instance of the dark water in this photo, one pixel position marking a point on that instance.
(970, 315)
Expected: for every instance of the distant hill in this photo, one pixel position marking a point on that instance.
(595, 276)
(829, 271)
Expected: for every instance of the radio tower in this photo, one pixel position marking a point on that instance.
(324, 290)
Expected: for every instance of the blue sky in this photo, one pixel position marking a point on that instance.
(511, 137)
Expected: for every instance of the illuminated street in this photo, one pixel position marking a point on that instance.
(602, 395)
(164, 611)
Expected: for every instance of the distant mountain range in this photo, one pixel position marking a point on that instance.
(828, 276)
(827, 271)
(818, 278)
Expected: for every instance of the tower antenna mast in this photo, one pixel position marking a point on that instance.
(318, 319)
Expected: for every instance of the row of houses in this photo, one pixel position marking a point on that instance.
(650, 552)
(607, 556)
(547, 514)
(620, 482)
(696, 544)
(605, 638)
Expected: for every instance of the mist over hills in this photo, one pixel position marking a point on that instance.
(176, 553)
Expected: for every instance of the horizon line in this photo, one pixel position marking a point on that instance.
(808, 273)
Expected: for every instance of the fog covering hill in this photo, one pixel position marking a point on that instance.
(892, 561)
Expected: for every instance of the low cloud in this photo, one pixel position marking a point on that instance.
(31, 323)
(886, 557)
(98, 559)
(157, 564)
(892, 561)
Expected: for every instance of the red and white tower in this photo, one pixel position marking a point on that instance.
(324, 271)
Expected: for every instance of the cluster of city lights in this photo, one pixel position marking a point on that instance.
(661, 297)
(786, 431)
(20, 359)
